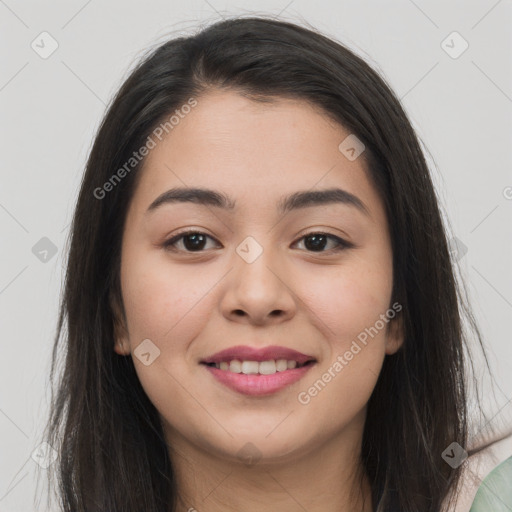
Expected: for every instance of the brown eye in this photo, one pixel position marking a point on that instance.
(317, 242)
(192, 241)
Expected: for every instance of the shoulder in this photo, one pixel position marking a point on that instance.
(495, 491)
(485, 473)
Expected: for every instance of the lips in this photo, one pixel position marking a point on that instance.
(246, 353)
(258, 372)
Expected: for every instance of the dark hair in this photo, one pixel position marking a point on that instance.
(112, 452)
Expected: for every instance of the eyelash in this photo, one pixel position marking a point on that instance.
(341, 244)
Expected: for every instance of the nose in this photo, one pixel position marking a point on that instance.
(259, 292)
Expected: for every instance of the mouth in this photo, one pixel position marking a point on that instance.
(257, 372)
(269, 367)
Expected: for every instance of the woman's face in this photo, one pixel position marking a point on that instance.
(256, 276)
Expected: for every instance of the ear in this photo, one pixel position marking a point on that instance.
(121, 339)
(395, 334)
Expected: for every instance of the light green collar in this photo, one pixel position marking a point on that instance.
(495, 491)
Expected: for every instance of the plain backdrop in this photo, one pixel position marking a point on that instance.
(459, 100)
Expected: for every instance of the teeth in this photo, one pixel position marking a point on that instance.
(281, 365)
(235, 367)
(249, 367)
(254, 367)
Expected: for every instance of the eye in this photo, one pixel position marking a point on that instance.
(317, 242)
(196, 241)
(193, 241)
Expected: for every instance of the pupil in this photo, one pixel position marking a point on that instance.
(317, 242)
(197, 241)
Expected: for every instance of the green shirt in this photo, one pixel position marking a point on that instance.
(495, 492)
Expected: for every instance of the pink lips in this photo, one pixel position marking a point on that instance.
(258, 385)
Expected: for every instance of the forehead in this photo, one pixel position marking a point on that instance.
(258, 152)
(232, 127)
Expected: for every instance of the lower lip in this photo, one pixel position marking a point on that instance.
(258, 385)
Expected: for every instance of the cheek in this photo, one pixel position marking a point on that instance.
(171, 308)
(348, 300)
(349, 303)
(163, 303)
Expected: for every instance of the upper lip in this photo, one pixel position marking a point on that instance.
(246, 353)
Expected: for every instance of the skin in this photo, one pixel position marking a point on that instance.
(193, 304)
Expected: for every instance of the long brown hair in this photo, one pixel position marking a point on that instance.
(112, 452)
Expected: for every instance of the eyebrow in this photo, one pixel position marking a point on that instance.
(297, 200)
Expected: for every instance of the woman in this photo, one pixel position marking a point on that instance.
(260, 305)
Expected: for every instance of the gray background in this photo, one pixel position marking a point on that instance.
(50, 109)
